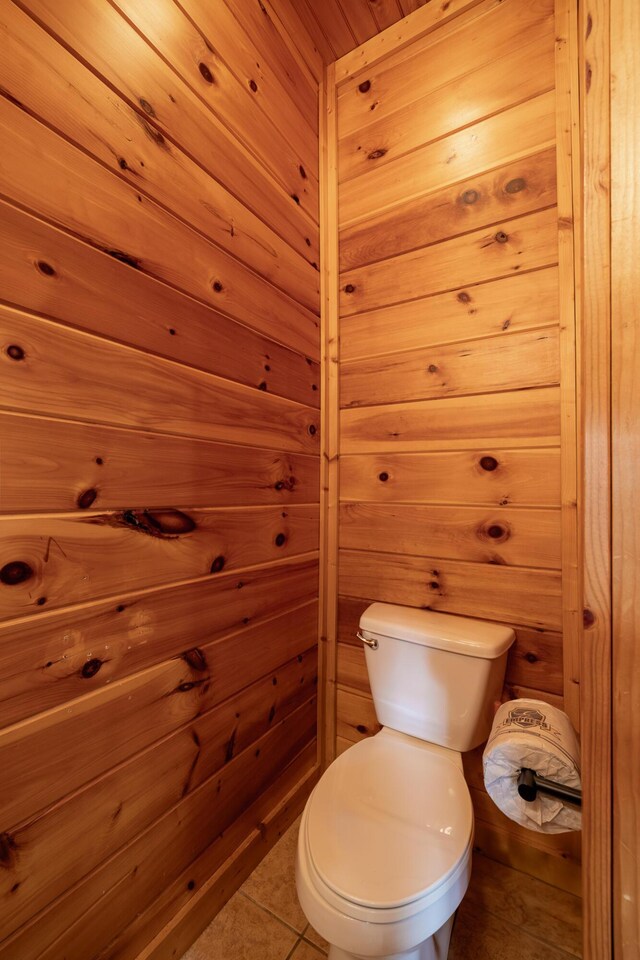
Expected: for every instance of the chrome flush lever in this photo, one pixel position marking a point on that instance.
(370, 643)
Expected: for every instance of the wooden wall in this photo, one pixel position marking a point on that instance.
(160, 423)
(457, 474)
(337, 26)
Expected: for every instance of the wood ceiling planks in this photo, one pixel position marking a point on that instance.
(338, 26)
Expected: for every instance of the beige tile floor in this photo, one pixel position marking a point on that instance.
(506, 915)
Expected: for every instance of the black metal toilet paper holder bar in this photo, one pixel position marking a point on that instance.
(530, 784)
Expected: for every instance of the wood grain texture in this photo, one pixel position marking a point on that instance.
(72, 925)
(516, 132)
(265, 45)
(496, 308)
(498, 27)
(102, 37)
(500, 845)
(596, 383)
(530, 597)
(528, 418)
(490, 476)
(457, 349)
(511, 246)
(499, 363)
(520, 537)
(178, 917)
(329, 479)
(47, 80)
(55, 373)
(125, 717)
(473, 97)
(159, 266)
(63, 185)
(567, 121)
(81, 556)
(46, 663)
(51, 465)
(520, 187)
(43, 269)
(535, 659)
(625, 357)
(125, 801)
(197, 33)
(404, 34)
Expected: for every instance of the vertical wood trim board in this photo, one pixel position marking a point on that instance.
(329, 468)
(567, 125)
(595, 345)
(159, 506)
(451, 237)
(625, 379)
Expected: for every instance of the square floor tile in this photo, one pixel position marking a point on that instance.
(304, 951)
(273, 883)
(243, 931)
(314, 937)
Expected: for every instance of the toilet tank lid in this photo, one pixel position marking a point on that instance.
(443, 631)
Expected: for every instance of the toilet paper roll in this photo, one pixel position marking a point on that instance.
(531, 733)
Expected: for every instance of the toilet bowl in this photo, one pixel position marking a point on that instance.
(384, 848)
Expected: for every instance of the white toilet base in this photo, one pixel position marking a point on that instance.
(435, 947)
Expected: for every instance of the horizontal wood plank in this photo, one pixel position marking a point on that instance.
(49, 81)
(291, 20)
(246, 41)
(46, 662)
(518, 188)
(484, 476)
(478, 94)
(356, 716)
(528, 359)
(482, 35)
(62, 184)
(52, 464)
(82, 556)
(279, 64)
(46, 270)
(496, 308)
(526, 243)
(562, 845)
(521, 418)
(51, 369)
(502, 846)
(404, 34)
(527, 904)
(519, 537)
(130, 880)
(99, 35)
(175, 919)
(529, 597)
(517, 132)
(128, 799)
(535, 659)
(125, 717)
(277, 141)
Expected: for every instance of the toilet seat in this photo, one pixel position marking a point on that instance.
(388, 829)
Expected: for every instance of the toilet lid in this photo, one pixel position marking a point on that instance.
(388, 822)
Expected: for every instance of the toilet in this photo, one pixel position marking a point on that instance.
(384, 848)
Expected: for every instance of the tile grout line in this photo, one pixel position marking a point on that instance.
(293, 948)
(275, 916)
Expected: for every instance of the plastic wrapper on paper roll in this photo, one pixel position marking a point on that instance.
(535, 735)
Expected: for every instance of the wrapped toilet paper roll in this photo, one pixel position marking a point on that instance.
(533, 734)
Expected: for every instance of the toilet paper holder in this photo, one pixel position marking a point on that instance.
(530, 784)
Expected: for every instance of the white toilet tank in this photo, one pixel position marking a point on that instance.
(433, 675)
